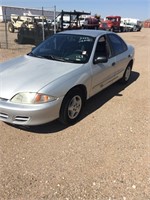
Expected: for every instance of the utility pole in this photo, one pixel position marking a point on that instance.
(6, 35)
(54, 19)
(43, 24)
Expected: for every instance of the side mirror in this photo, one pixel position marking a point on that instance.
(102, 59)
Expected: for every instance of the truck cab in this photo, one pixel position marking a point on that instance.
(113, 22)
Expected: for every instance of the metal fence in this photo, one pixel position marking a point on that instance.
(8, 40)
(3, 35)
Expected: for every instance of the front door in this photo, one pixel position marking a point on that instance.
(102, 73)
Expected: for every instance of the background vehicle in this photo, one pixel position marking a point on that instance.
(82, 19)
(117, 23)
(17, 21)
(130, 24)
(90, 23)
(34, 33)
(113, 22)
(68, 20)
(103, 26)
(37, 31)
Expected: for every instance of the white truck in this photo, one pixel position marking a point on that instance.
(130, 24)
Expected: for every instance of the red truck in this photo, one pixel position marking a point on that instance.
(113, 23)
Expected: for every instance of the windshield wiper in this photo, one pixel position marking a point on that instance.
(49, 57)
(73, 61)
(34, 55)
(52, 57)
(55, 58)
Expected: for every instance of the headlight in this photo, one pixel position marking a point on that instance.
(32, 98)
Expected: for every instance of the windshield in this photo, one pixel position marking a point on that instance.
(65, 48)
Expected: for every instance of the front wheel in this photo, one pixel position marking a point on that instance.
(112, 29)
(71, 107)
(126, 75)
(11, 28)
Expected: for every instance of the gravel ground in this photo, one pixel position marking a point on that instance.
(105, 156)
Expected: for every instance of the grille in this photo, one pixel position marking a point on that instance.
(21, 118)
(3, 116)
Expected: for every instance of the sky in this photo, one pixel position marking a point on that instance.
(125, 8)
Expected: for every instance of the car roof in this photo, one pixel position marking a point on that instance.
(86, 32)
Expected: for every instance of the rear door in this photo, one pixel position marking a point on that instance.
(120, 52)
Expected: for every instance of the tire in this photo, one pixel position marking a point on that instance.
(20, 39)
(121, 29)
(72, 106)
(131, 30)
(135, 29)
(11, 28)
(112, 29)
(126, 75)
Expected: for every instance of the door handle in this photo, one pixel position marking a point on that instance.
(113, 64)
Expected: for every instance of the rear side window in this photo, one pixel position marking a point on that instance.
(117, 44)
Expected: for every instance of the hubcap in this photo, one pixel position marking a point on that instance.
(74, 107)
(127, 74)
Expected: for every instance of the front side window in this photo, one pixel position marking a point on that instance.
(102, 48)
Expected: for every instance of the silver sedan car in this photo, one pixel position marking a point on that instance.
(56, 78)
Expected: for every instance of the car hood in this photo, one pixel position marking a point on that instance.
(30, 74)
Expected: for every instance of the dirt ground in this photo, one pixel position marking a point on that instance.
(105, 156)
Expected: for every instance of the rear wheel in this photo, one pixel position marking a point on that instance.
(135, 28)
(71, 107)
(126, 75)
(20, 39)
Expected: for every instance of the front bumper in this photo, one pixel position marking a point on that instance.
(34, 114)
